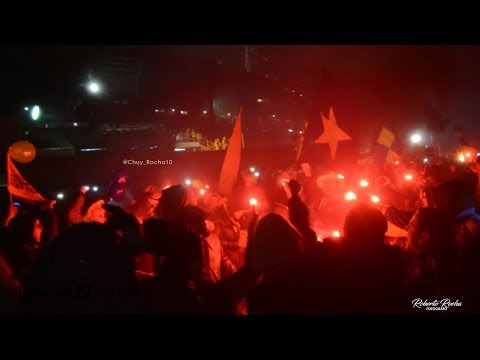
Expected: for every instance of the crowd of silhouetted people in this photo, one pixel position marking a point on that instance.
(164, 253)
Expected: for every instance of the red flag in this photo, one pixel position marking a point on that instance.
(231, 164)
(18, 186)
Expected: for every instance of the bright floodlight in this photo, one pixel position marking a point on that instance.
(336, 234)
(188, 182)
(87, 188)
(93, 87)
(409, 177)
(253, 202)
(75, 124)
(35, 113)
(257, 174)
(340, 176)
(202, 191)
(25, 108)
(60, 196)
(95, 188)
(416, 138)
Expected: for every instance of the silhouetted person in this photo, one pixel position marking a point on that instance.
(86, 270)
(299, 215)
(431, 273)
(276, 253)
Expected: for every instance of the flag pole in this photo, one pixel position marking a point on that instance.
(8, 178)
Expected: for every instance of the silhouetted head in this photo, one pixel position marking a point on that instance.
(172, 201)
(89, 267)
(455, 195)
(430, 231)
(275, 243)
(194, 219)
(119, 176)
(117, 192)
(26, 227)
(365, 227)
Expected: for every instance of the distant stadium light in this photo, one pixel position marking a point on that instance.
(35, 113)
(93, 87)
(416, 138)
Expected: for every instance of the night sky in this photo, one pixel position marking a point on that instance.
(392, 85)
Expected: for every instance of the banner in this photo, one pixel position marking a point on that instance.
(18, 186)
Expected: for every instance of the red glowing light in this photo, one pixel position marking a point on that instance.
(336, 234)
(408, 177)
(375, 199)
(253, 202)
(350, 196)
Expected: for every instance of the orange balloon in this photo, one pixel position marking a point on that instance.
(22, 152)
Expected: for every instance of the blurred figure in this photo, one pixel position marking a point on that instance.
(276, 254)
(299, 215)
(20, 246)
(359, 273)
(431, 245)
(94, 213)
(172, 201)
(216, 264)
(118, 189)
(86, 270)
(145, 203)
(175, 290)
(9, 289)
